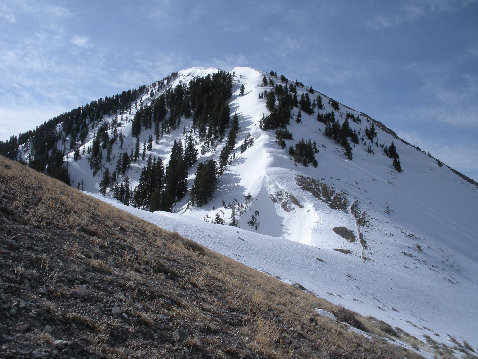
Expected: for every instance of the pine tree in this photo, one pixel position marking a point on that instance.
(392, 151)
(270, 101)
(231, 141)
(397, 165)
(204, 183)
(242, 90)
(370, 133)
(155, 200)
(347, 148)
(76, 155)
(105, 181)
(176, 177)
(305, 104)
(190, 153)
(127, 193)
(156, 131)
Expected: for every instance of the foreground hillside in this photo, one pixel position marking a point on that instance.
(82, 279)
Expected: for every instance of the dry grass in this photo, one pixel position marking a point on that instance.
(111, 285)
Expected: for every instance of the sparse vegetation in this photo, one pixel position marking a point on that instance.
(335, 200)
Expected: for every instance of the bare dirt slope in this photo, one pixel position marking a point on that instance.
(82, 279)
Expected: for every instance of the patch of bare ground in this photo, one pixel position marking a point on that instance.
(334, 199)
(345, 233)
(286, 200)
(82, 279)
(361, 221)
(342, 250)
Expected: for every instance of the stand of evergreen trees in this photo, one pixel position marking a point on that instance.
(304, 153)
(204, 183)
(229, 147)
(283, 134)
(391, 152)
(371, 133)
(150, 180)
(209, 103)
(279, 116)
(339, 133)
(175, 179)
(206, 100)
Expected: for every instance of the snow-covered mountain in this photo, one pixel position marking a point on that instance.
(373, 223)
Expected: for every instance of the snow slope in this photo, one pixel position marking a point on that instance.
(412, 258)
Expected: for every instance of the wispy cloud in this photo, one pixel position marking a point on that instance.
(284, 44)
(406, 13)
(81, 41)
(448, 97)
(415, 10)
(6, 14)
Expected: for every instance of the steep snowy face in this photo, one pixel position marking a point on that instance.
(373, 223)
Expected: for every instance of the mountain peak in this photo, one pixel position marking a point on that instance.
(359, 210)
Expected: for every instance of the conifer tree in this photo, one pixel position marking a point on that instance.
(136, 150)
(231, 141)
(204, 183)
(105, 181)
(397, 165)
(176, 177)
(370, 133)
(127, 193)
(305, 104)
(190, 152)
(76, 155)
(155, 200)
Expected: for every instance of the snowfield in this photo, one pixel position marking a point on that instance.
(402, 247)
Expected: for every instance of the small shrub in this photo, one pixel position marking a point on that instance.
(387, 328)
(347, 316)
(193, 246)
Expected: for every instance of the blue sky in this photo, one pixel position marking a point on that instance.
(411, 64)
